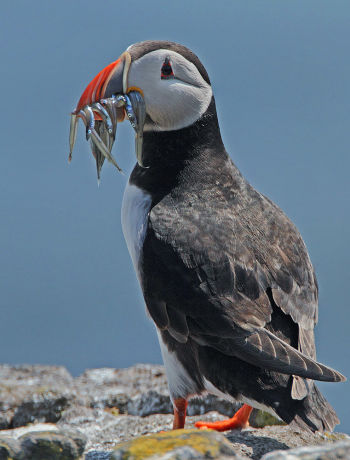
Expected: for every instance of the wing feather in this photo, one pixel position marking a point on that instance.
(220, 272)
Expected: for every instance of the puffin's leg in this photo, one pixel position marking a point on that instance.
(239, 420)
(180, 406)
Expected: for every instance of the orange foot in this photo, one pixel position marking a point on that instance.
(238, 421)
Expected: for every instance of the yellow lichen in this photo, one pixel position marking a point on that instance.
(263, 418)
(42, 390)
(334, 436)
(147, 446)
(112, 410)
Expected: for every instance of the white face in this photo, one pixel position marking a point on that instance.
(172, 103)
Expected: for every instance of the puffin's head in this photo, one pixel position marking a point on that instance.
(158, 85)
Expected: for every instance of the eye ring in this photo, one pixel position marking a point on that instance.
(166, 72)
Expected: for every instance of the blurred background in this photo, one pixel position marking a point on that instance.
(280, 73)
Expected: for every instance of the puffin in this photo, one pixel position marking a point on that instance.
(225, 275)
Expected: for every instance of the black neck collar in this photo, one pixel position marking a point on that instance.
(171, 156)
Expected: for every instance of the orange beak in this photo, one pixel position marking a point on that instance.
(113, 79)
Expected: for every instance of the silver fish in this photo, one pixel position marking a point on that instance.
(101, 133)
(72, 134)
(82, 115)
(139, 108)
(90, 121)
(97, 107)
(130, 111)
(110, 106)
(103, 148)
(123, 100)
(96, 151)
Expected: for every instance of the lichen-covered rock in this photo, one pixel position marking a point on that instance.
(48, 445)
(9, 448)
(104, 430)
(259, 419)
(337, 451)
(41, 442)
(110, 406)
(39, 394)
(178, 444)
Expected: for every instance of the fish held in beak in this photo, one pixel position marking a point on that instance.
(139, 107)
(105, 102)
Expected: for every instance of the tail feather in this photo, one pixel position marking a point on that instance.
(264, 349)
(314, 413)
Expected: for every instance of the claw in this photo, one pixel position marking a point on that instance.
(72, 134)
(103, 149)
(90, 121)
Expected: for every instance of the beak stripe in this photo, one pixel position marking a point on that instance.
(109, 76)
(127, 64)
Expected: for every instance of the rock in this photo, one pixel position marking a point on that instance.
(9, 448)
(41, 442)
(104, 407)
(259, 419)
(39, 394)
(113, 387)
(141, 390)
(104, 430)
(176, 445)
(251, 443)
(5, 419)
(149, 403)
(17, 383)
(254, 443)
(33, 394)
(209, 403)
(337, 451)
(40, 409)
(48, 445)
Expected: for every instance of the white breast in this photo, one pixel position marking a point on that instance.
(135, 209)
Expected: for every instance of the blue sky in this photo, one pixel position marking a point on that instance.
(280, 73)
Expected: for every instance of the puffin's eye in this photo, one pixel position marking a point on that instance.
(167, 70)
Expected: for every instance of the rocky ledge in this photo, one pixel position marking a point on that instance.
(112, 414)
